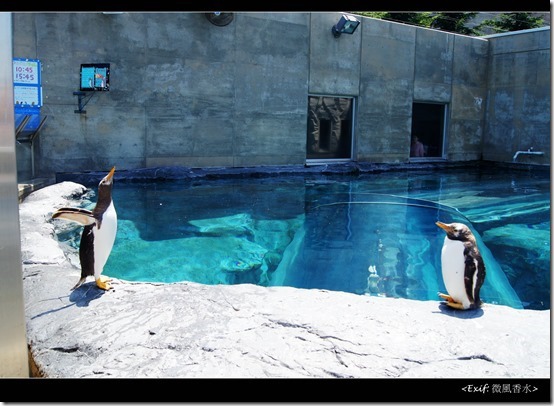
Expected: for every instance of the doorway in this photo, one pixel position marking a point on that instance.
(329, 128)
(428, 125)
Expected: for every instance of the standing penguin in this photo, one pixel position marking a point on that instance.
(98, 235)
(463, 268)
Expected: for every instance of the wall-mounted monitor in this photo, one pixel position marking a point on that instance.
(95, 76)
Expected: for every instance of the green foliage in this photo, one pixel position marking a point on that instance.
(423, 19)
(371, 14)
(454, 22)
(513, 22)
(458, 22)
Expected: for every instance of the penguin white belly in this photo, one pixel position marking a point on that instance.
(453, 269)
(104, 239)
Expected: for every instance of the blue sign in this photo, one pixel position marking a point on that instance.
(27, 92)
(27, 89)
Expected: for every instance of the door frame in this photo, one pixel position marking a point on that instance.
(320, 161)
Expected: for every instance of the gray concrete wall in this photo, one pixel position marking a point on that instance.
(468, 99)
(187, 92)
(183, 91)
(386, 91)
(519, 84)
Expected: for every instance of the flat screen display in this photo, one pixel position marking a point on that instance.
(95, 76)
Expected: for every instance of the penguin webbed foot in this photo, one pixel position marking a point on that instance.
(79, 283)
(456, 305)
(451, 302)
(446, 297)
(103, 283)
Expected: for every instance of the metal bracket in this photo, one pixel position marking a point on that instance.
(81, 106)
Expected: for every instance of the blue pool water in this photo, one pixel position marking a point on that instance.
(371, 234)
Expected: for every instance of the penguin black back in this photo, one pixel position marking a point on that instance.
(86, 253)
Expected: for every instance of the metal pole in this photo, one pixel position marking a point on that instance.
(14, 360)
(32, 159)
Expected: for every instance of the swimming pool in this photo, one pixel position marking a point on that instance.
(369, 234)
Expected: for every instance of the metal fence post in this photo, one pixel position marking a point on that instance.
(14, 361)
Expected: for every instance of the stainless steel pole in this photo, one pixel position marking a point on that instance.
(14, 360)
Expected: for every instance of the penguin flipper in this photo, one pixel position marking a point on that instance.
(81, 216)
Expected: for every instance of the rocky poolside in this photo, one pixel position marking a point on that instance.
(190, 330)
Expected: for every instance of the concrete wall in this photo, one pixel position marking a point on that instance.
(183, 91)
(400, 64)
(519, 84)
(187, 92)
(386, 91)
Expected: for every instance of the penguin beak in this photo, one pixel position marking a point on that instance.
(445, 227)
(109, 176)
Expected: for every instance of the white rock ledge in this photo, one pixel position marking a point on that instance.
(189, 330)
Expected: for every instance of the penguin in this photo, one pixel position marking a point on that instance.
(98, 235)
(463, 268)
